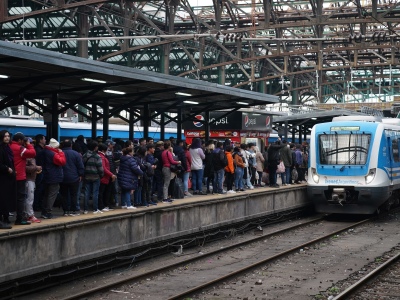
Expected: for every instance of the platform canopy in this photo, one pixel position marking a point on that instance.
(28, 74)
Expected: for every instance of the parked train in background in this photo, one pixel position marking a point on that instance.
(72, 130)
(354, 165)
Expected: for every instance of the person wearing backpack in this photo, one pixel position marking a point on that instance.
(274, 159)
(219, 162)
(229, 170)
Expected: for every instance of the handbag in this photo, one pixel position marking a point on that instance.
(281, 168)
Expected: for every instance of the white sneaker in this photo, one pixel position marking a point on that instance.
(231, 192)
(131, 207)
(97, 212)
(251, 187)
(105, 209)
(85, 212)
(123, 206)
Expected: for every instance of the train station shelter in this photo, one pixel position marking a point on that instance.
(67, 82)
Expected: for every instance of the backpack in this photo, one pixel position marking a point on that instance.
(224, 159)
(149, 169)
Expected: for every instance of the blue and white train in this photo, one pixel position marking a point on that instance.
(72, 130)
(354, 165)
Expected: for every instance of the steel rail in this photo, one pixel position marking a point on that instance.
(363, 281)
(184, 262)
(262, 262)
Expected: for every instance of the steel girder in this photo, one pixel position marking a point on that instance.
(304, 51)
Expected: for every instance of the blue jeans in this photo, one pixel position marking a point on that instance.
(78, 196)
(185, 181)
(197, 179)
(218, 180)
(239, 178)
(92, 188)
(137, 197)
(286, 176)
(126, 197)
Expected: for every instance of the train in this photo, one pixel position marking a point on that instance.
(30, 127)
(354, 165)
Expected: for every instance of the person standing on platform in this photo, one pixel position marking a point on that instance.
(31, 172)
(158, 182)
(73, 174)
(80, 140)
(22, 149)
(113, 155)
(168, 160)
(93, 172)
(53, 161)
(274, 159)
(229, 170)
(208, 173)
(106, 181)
(219, 162)
(40, 143)
(197, 154)
(151, 163)
(246, 172)
(239, 168)
(128, 177)
(286, 157)
(186, 172)
(8, 183)
(259, 164)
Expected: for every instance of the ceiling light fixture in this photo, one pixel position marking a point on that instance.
(242, 103)
(183, 94)
(114, 92)
(314, 118)
(190, 102)
(94, 80)
(4, 76)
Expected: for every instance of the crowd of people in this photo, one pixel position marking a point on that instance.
(34, 175)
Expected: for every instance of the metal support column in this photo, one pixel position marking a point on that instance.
(146, 121)
(179, 124)
(106, 120)
(54, 117)
(207, 125)
(94, 121)
(131, 117)
(162, 127)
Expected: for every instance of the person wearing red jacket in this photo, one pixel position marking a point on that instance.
(22, 149)
(105, 181)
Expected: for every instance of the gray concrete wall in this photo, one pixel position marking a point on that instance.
(65, 241)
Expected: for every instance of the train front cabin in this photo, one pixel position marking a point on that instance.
(354, 164)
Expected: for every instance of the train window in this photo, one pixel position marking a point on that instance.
(395, 150)
(343, 149)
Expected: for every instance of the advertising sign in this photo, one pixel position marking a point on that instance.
(259, 122)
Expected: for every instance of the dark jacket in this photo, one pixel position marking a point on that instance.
(73, 169)
(52, 165)
(8, 183)
(128, 173)
(218, 157)
(178, 151)
(157, 155)
(208, 164)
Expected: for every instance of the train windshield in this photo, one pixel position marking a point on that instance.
(344, 149)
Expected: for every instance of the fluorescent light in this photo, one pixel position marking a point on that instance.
(242, 103)
(183, 94)
(3, 76)
(190, 102)
(256, 114)
(94, 80)
(114, 92)
(313, 118)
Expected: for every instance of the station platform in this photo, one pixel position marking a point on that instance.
(62, 241)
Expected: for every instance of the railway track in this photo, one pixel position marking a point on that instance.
(236, 269)
(383, 282)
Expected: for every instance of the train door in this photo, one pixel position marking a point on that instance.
(394, 157)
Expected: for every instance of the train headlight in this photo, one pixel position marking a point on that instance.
(314, 175)
(370, 176)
